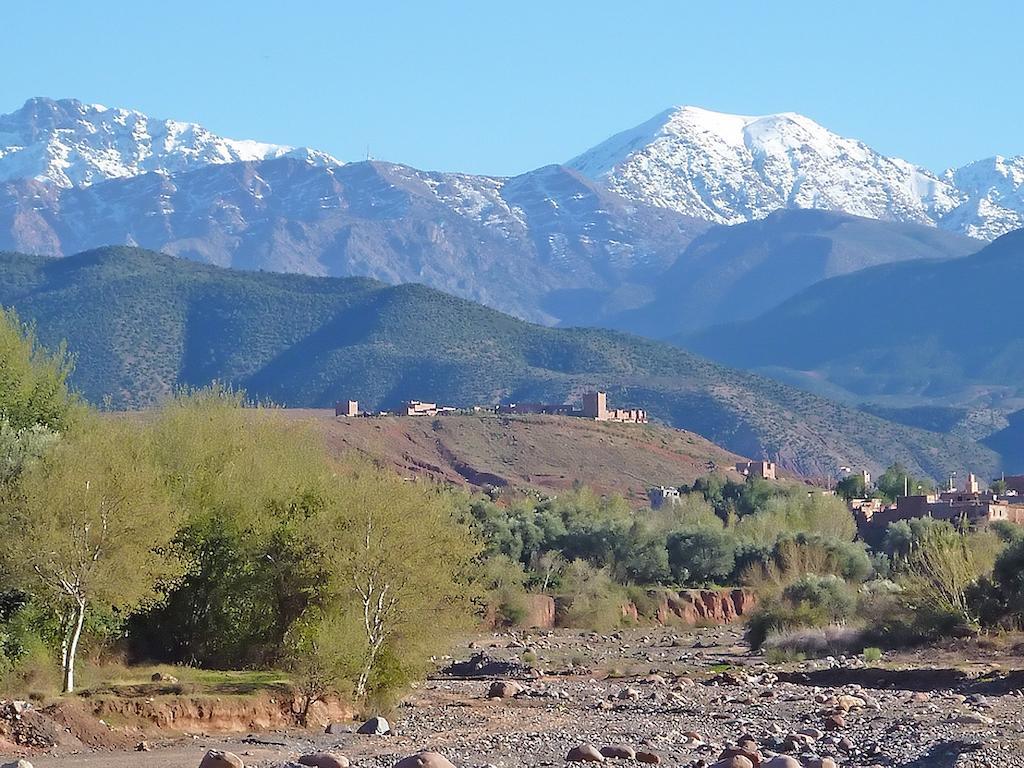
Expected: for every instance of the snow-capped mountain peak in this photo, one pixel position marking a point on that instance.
(68, 143)
(734, 168)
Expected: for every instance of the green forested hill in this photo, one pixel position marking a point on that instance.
(141, 323)
(946, 331)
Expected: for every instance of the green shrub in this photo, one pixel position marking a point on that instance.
(872, 655)
(811, 601)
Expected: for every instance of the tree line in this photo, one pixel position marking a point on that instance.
(214, 533)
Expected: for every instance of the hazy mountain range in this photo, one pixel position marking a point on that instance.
(141, 324)
(587, 243)
(942, 334)
(769, 243)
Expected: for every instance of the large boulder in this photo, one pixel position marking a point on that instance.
(480, 665)
(375, 726)
(217, 759)
(504, 689)
(619, 752)
(425, 760)
(324, 760)
(584, 753)
(782, 761)
(736, 761)
(17, 764)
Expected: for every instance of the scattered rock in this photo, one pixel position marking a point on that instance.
(736, 761)
(142, 746)
(846, 702)
(619, 752)
(653, 758)
(336, 728)
(975, 718)
(376, 726)
(161, 677)
(781, 761)
(217, 759)
(17, 764)
(584, 753)
(752, 756)
(835, 722)
(504, 689)
(324, 760)
(425, 760)
(481, 665)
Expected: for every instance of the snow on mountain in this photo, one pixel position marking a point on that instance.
(69, 143)
(735, 168)
(994, 192)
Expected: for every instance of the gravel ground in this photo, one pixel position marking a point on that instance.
(657, 691)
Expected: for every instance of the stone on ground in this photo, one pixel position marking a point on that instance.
(504, 689)
(217, 759)
(584, 753)
(324, 760)
(375, 726)
(619, 752)
(425, 760)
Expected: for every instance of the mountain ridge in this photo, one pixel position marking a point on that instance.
(736, 168)
(143, 324)
(69, 143)
(934, 331)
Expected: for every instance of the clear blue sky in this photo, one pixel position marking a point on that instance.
(490, 87)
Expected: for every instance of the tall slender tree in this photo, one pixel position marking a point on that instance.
(90, 526)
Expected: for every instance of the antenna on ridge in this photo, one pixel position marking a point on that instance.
(369, 157)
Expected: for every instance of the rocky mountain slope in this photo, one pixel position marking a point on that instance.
(142, 324)
(69, 144)
(733, 168)
(738, 272)
(551, 245)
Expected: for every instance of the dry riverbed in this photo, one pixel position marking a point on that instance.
(656, 690)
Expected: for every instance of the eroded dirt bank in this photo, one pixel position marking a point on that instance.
(960, 707)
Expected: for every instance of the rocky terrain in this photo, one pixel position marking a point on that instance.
(684, 697)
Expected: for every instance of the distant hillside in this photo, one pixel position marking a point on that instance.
(524, 452)
(142, 323)
(1009, 442)
(921, 330)
(736, 273)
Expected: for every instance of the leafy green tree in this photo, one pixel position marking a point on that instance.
(33, 381)
(896, 481)
(699, 556)
(644, 559)
(852, 487)
(246, 480)
(944, 567)
(396, 566)
(90, 529)
(799, 512)
(20, 447)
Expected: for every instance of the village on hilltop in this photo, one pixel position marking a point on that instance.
(970, 504)
(594, 407)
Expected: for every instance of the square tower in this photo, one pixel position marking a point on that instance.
(595, 406)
